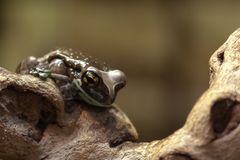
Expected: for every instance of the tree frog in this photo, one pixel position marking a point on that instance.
(79, 77)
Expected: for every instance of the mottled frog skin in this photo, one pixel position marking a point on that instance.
(78, 77)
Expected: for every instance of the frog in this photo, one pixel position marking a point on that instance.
(79, 77)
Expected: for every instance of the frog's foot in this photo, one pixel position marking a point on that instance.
(68, 93)
(70, 106)
(41, 73)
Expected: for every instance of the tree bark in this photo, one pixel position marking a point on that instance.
(34, 125)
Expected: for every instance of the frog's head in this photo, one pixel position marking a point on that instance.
(98, 87)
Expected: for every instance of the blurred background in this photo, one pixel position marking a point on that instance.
(163, 47)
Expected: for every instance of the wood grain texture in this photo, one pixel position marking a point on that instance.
(33, 124)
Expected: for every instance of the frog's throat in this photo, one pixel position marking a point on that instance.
(88, 99)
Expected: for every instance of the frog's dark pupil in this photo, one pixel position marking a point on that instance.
(90, 78)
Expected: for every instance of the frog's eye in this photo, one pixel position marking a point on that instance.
(90, 78)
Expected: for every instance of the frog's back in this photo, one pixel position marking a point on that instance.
(75, 59)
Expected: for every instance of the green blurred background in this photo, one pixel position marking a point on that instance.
(162, 46)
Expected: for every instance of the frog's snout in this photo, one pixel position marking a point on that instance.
(114, 80)
(118, 78)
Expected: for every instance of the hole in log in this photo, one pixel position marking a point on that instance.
(221, 114)
(220, 57)
(45, 119)
(177, 156)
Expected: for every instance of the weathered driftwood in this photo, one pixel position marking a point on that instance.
(33, 124)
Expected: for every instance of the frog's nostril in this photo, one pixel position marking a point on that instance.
(119, 86)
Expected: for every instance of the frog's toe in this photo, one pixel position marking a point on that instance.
(41, 73)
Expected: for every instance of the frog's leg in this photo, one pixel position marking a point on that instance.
(26, 65)
(68, 93)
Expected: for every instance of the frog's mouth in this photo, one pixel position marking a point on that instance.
(86, 97)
